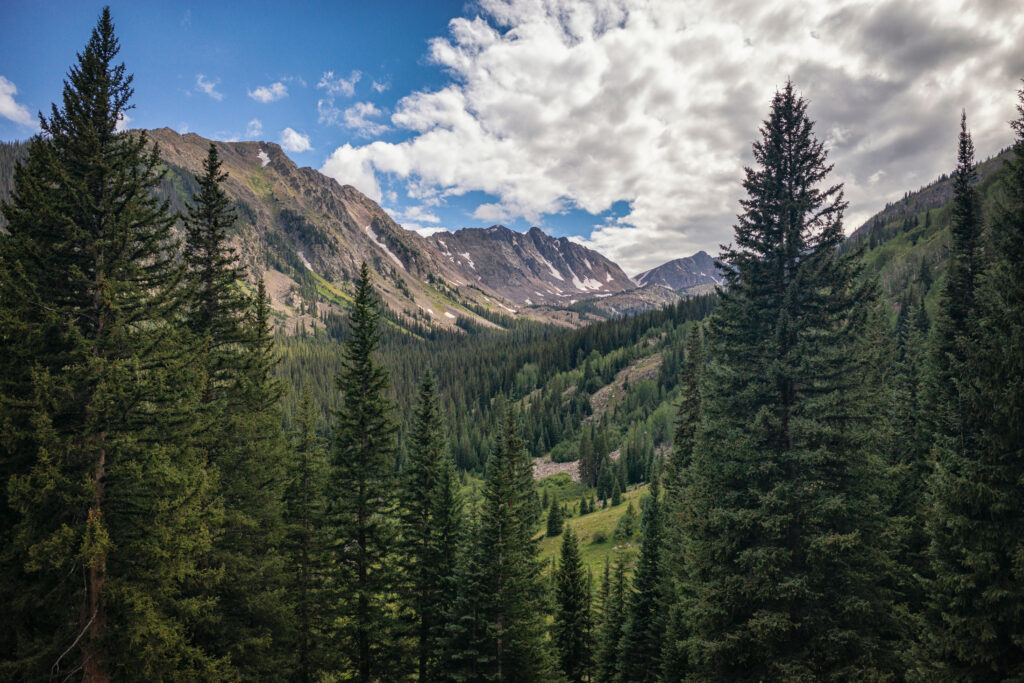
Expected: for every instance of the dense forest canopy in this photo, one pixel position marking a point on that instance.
(814, 473)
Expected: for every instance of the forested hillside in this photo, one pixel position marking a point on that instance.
(812, 474)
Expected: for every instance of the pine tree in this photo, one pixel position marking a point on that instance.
(216, 303)
(978, 525)
(678, 595)
(785, 532)
(429, 511)
(501, 615)
(242, 437)
(306, 542)
(362, 492)
(572, 629)
(613, 623)
(555, 519)
(107, 499)
(644, 632)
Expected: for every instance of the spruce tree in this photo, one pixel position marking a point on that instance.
(107, 500)
(429, 511)
(241, 435)
(678, 594)
(644, 632)
(502, 604)
(976, 492)
(613, 623)
(573, 625)
(784, 537)
(362, 493)
(555, 519)
(306, 542)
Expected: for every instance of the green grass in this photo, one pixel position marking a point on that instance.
(596, 525)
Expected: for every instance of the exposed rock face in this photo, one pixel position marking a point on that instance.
(312, 234)
(530, 269)
(682, 274)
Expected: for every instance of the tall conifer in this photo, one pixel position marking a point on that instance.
(107, 498)
(429, 510)
(306, 543)
(362, 497)
(977, 488)
(785, 527)
(573, 626)
(644, 632)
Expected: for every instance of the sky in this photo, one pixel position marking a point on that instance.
(622, 124)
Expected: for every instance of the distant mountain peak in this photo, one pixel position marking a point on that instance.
(683, 273)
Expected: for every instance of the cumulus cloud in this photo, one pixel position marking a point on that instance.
(425, 230)
(294, 141)
(269, 93)
(357, 117)
(418, 214)
(338, 85)
(254, 129)
(554, 105)
(209, 87)
(122, 122)
(380, 86)
(10, 109)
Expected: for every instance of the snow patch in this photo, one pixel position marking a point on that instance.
(510, 310)
(264, 159)
(588, 283)
(528, 302)
(465, 255)
(609, 278)
(449, 315)
(589, 267)
(304, 261)
(554, 273)
(373, 237)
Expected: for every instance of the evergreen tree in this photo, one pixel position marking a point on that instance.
(362, 492)
(572, 629)
(242, 436)
(306, 542)
(613, 623)
(785, 534)
(677, 590)
(555, 519)
(500, 619)
(107, 501)
(616, 493)
(978, 524)
(216, 304)
(429, 513)
(644, 632)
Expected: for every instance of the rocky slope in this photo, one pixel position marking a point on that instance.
(532, 269)
(683, 274)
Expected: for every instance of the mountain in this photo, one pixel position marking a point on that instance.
(683, 274)
(532, 268)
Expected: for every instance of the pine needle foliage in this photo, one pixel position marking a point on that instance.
(784, 536)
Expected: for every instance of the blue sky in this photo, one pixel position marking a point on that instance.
(622, 123)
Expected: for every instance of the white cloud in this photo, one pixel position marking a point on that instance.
(9, 109)
(425, 230)
(293, 141)
(254, 130)
(338, 85)
(269, 93)
(328, 113)
(352, 166)
(418, 214)
(122, 122)
(558, 104)
(209, 87)
(357, 117)
(380, 86)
